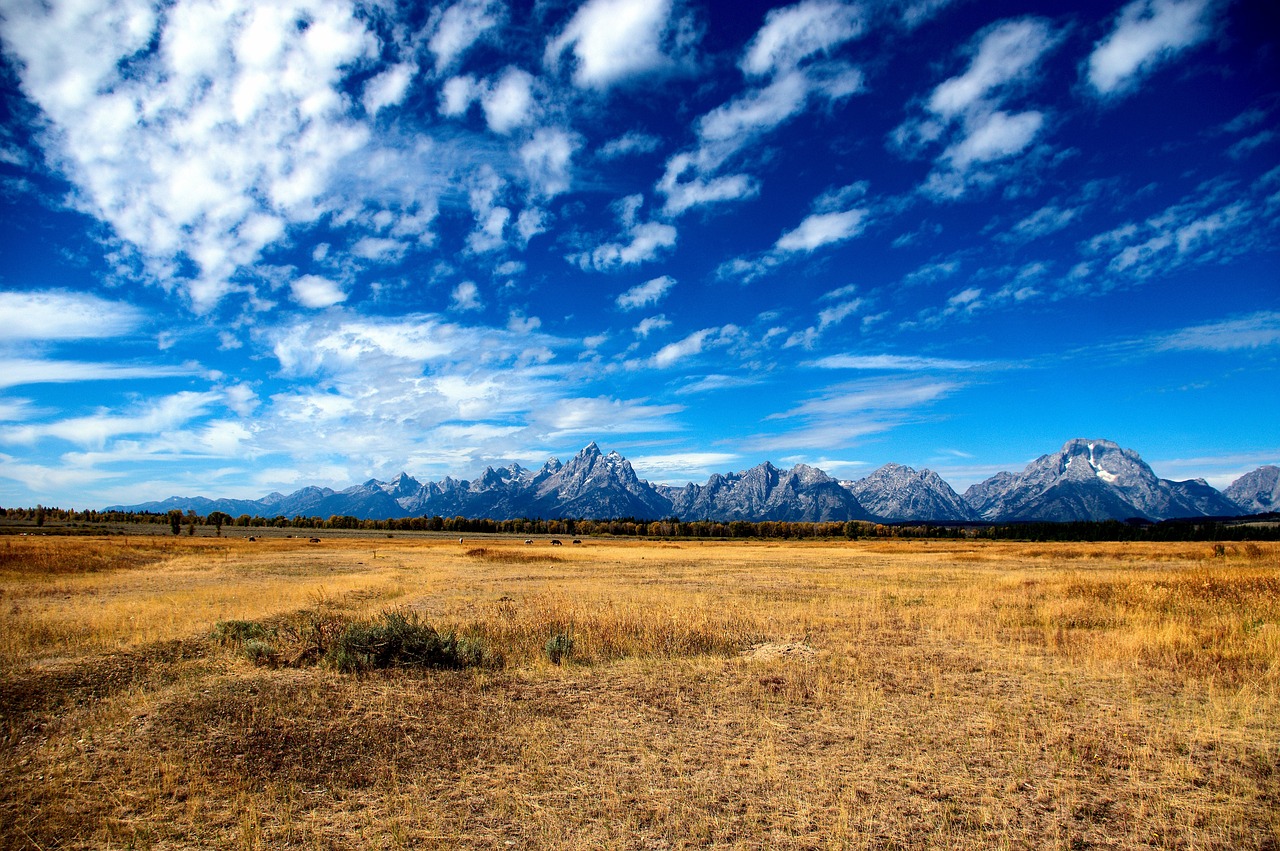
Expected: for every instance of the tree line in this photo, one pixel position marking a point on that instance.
(179, 522)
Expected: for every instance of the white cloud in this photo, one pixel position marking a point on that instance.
(1046, 220)
(647, 240)
(1007, 52)
(161, 415)
(683, 195)
(388, 88)
(682, 466)
(63, 315)
(777, 54)
(466, 296)
(648, 293)
(508, 103)
(15, 372)
(378, 248)
(1255, 331)
(612, 40)
(994, 136)
(237, 117)
(672, 353)
(756, 112)
(838, 313)
(903, 363)
(822, 229)
(795, 33)
(964, 112)
(316, 291)
(547, 158)
(629, 144)
(1147, 33)
(650, 324)
(457, 94)
(460, 26)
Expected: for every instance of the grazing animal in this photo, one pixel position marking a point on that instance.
(556, 543)
(459, 540)
(251, 538)
(577, 541)
(528, 540)
(314, 541)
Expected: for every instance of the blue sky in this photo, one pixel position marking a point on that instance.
(246, 247)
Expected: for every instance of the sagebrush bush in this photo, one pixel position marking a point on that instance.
(240, 632)
(559, 647)
(399, 640)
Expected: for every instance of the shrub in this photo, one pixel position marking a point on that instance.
(399, 640)
(239, 632)
(260, 652)
(558, 647)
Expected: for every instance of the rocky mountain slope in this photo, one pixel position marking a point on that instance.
(1257, 492)
(764, 492)
(896, 493)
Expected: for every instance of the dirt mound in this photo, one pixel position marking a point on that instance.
(780, 650)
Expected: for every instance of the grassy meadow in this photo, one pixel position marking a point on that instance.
(178, 693)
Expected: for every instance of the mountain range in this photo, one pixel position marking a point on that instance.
(1085, 480)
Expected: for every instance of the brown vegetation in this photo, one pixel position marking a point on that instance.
(881, 694)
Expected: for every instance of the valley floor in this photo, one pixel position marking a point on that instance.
(895, 694)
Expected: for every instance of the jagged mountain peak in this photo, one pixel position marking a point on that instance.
(1090, 479)
(896, 492)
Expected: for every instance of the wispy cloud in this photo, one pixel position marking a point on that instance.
(15, 372)
(64, 315)
(898, 363)
(967, 114)
(1255, 331)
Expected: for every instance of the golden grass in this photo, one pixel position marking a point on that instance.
(883, 694)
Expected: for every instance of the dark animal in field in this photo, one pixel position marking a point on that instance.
(314, 540)
(252, 538)
(577, 541)
(528, 540)
(556, 543)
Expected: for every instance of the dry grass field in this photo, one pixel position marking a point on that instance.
(174, 693)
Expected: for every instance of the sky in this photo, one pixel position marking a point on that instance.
(248, 247)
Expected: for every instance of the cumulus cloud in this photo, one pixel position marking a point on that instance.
(547, 160)
(508, 103)
(203, 149)
(466, 296)
(648, 293)
(316, 291)
(821, 229)
(63, 315)
(613, 40)
(388, 88)
(647, 240)
(1147, 33)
